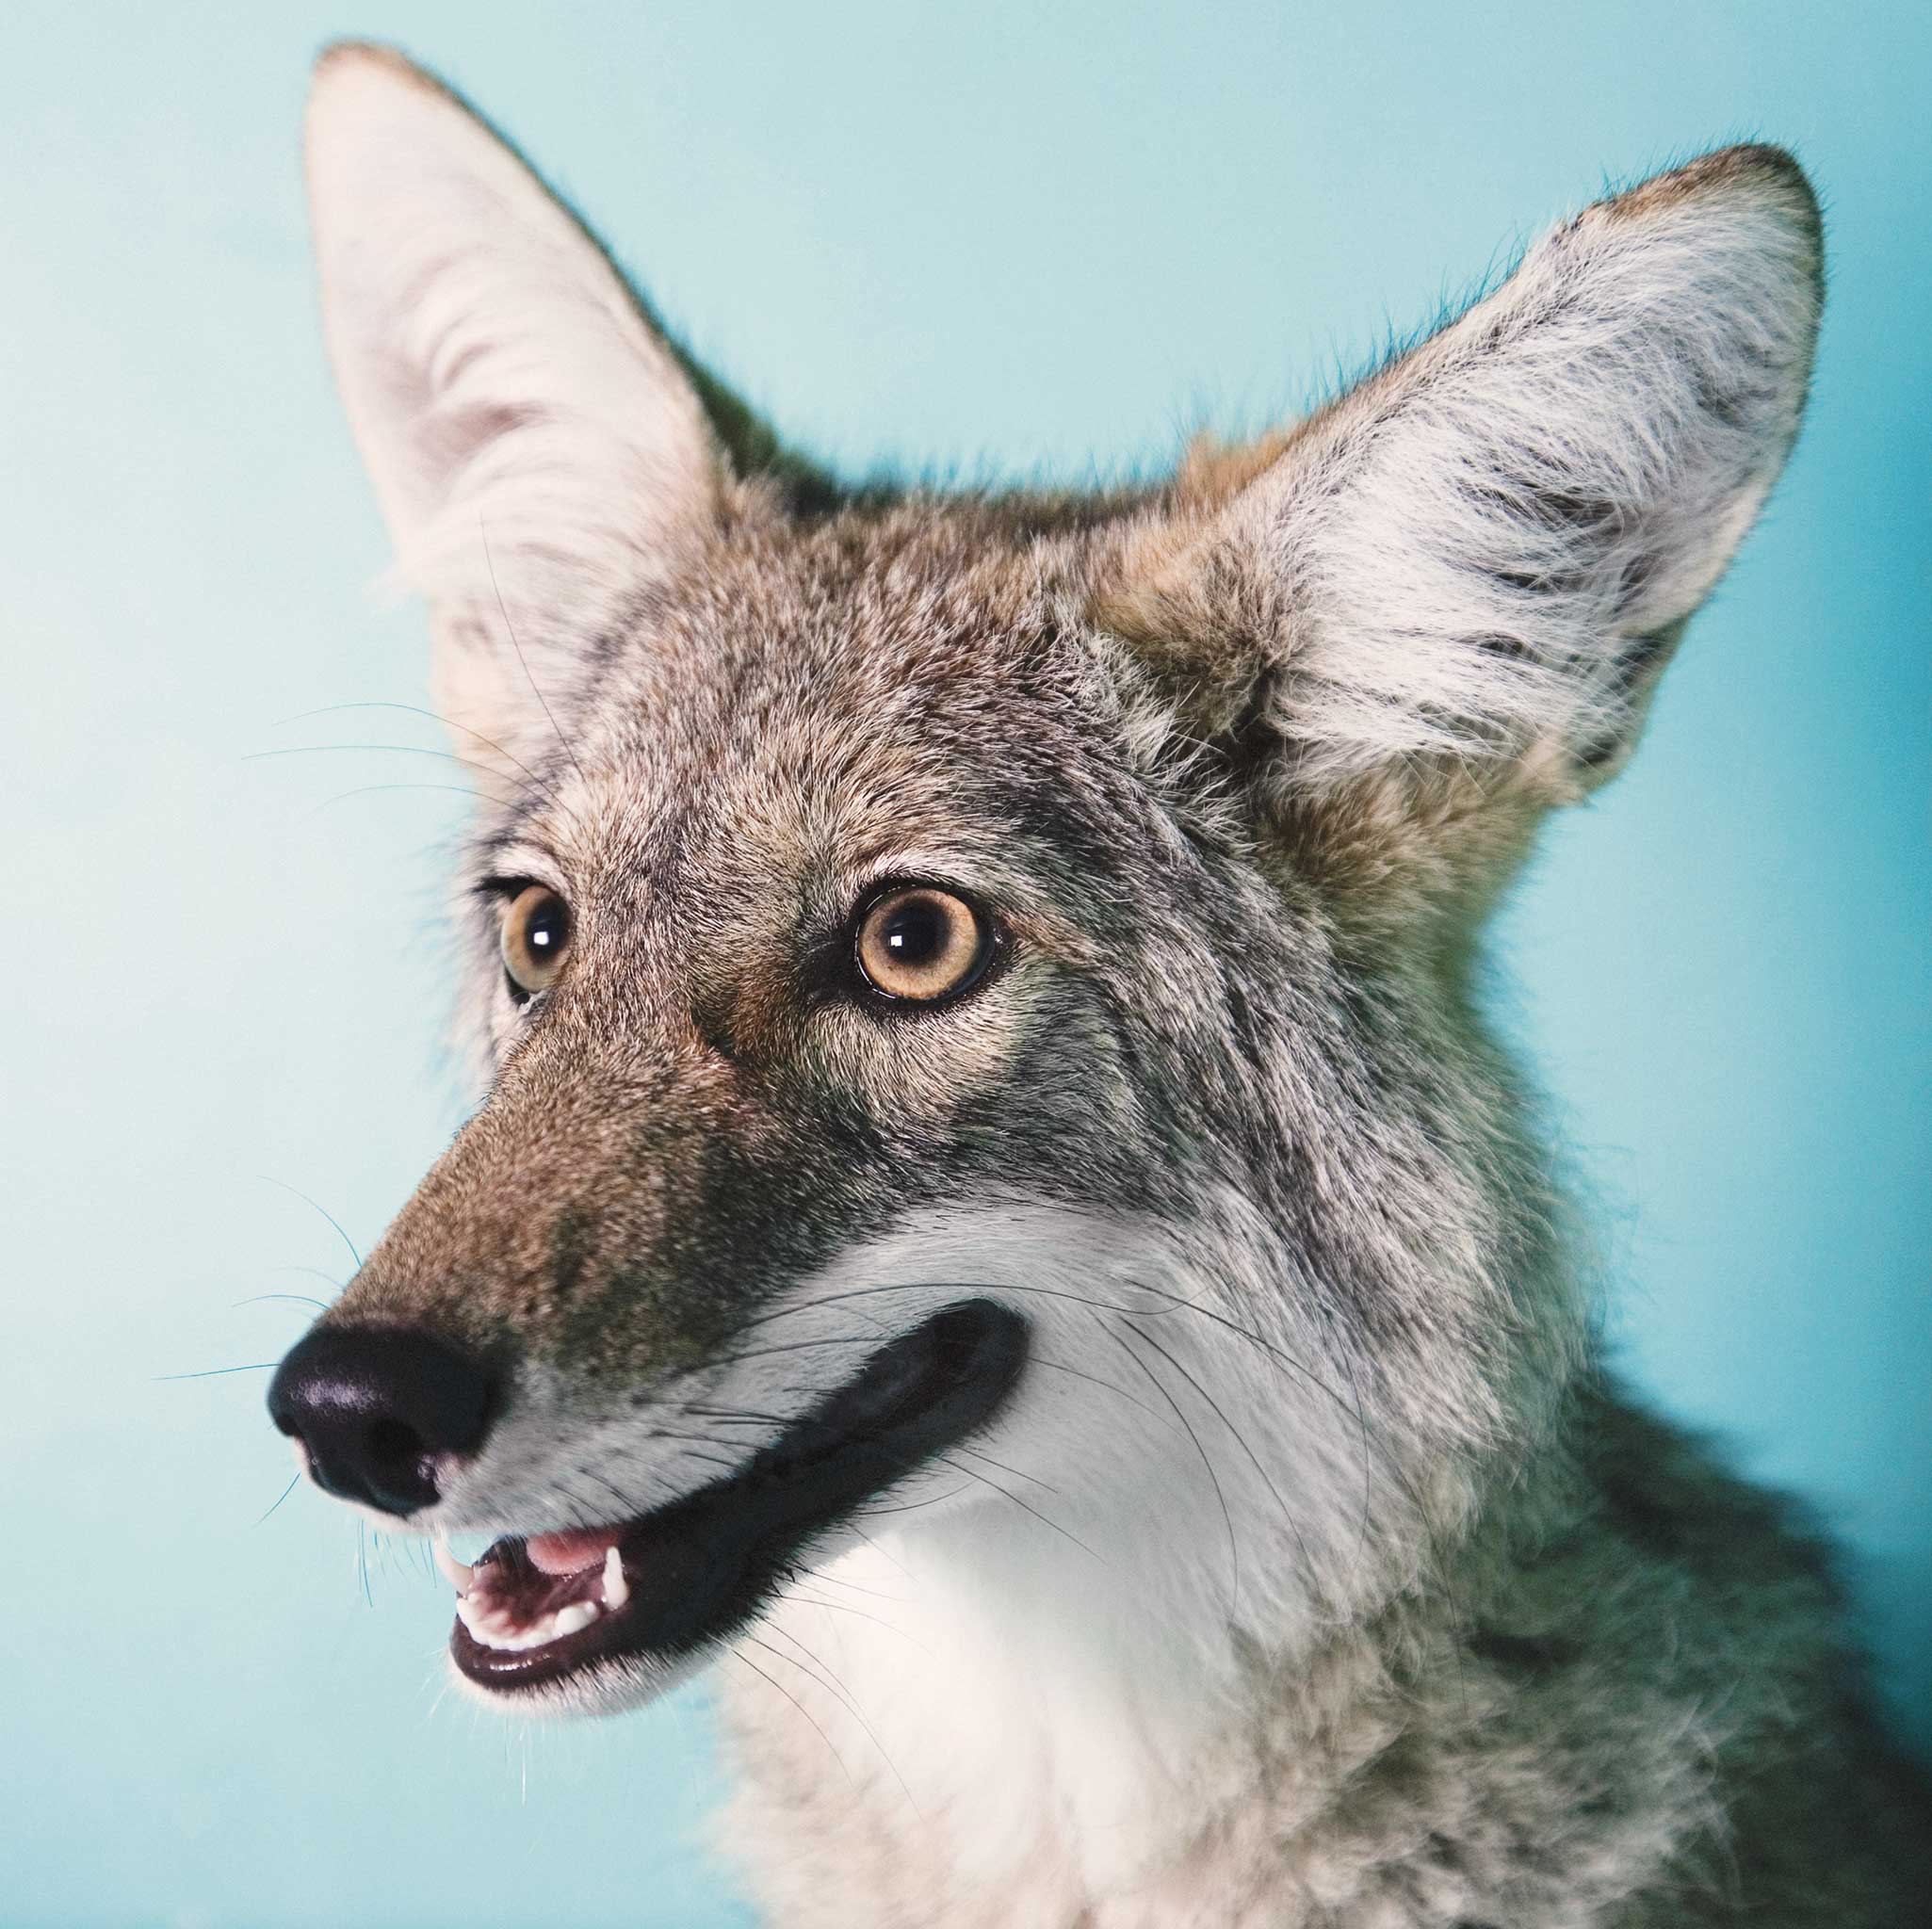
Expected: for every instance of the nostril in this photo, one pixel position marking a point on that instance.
(381, 1411)
(392, 1442)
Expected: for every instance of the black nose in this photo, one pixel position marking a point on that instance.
(376, 1408)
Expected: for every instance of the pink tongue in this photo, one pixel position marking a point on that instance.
(570, 1553)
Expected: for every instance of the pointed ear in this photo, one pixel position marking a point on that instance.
(1443, 602)
(537, 447)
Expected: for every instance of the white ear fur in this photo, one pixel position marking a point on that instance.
(535, 447)
(1487, 549)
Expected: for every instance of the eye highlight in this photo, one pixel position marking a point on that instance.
(536, 937)
(921, 944)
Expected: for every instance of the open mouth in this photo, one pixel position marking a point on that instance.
(648, 1593)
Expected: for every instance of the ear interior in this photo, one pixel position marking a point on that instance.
(1458, 585)
(538, 450)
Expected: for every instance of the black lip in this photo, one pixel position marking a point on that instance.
(701, 1568)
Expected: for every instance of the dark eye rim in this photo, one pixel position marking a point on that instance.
(995, 947)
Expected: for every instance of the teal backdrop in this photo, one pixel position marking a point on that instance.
(1002, 241)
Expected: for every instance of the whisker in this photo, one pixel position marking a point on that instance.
(401, 750)
(823, 1578)
(510, 628)
(737, 1359)
(703, 1439)
(437, 717)
(314, 1273)
(1284, 1360)
(746, 1661)
(710, 1459)
(279, 1499)
(1215, 1479)
(323, 1210)
(812, 1601)
(1056, 1367)
(912, 1506)
(830, 1682)
(1367, 1459)
(1019, 1473)
(853, 1526)
(215, 1372)
(372, 789)
(1241, 1442)
(1024, 1507)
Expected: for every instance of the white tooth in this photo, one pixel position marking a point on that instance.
(458, 1574)
(499, 1632)
(494, 1627)
(579, 1614)
(616, 1589)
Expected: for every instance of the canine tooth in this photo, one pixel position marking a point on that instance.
(616, 1589)
(458, 1574)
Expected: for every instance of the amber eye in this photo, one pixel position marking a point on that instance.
(923, 943)
(536, 934)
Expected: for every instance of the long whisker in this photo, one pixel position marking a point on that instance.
(373, 789)
(1097, 1380)
(1024, 1507)
(1240, 1440)
(314, 1273)
(1213, 1479)
(828, 1680)
(1175, 1303)
(401, 750)
(812, 1601)
(323, 1210)
(449, 723)
(914, 1506)
(1017, 1472)
(510, 629)
(746, 1661)
(852, 1527)
(277, 1501)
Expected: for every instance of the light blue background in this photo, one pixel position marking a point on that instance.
(1008, 236)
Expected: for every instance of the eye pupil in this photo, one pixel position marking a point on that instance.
(914, 934)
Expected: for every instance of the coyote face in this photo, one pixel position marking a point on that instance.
(972, 993)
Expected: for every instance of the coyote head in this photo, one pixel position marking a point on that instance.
(973, 993)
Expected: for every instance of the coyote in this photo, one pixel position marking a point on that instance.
(994, 1214)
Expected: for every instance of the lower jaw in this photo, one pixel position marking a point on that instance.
(697, 1572)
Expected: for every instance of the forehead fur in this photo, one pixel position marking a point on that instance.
(886, 680)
